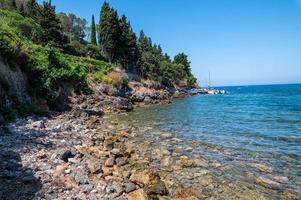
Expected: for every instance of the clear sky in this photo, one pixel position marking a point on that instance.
(241, 42)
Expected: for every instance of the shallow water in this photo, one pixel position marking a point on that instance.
(249, 126)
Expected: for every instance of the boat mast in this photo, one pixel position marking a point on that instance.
(209, 80)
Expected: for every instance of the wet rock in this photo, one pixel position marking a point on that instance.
(66, 155)
(264, 168)
(129, 187)
(147, 100)
(187, 194)
(165, 162)
(137, 195)
(143, 177)
(281, 179)
(157, 187)
(185, 162)
(266, 182)
(166, 135)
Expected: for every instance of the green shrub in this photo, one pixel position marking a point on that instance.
(27, 27)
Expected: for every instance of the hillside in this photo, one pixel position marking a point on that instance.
(46, 58)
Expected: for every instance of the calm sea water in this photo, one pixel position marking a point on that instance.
(250, 125)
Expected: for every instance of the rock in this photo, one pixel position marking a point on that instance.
(166, 135)
(38, 124)
(1, 119)
(157, 187)
(81, 178)
(147, 100)
(94, 166)
(281, 179)
(268, 183)
(264, 168)
(184, 161)
(110, 162)
(141, 177)
(137, 195)
(187, 194)
(165, 162)
(66, 155)
(161, 152)
(129, 187)
(28, 179)
(113, 178)
(107, 171)
(121, 161)
(67, 171)
(86, 188)
(109, 144)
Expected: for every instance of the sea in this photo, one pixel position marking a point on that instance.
(253, 130)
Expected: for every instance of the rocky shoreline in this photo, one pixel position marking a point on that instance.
(74, 155)
(84, 154)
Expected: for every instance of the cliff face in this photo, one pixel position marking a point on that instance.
(13, 83)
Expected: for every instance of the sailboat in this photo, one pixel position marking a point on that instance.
(211, 90)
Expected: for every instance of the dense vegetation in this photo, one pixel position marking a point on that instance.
(58, 47)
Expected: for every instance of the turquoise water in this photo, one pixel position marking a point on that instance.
(250, 125)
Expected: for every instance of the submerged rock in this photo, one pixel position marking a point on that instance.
(266, 182)
(264, 168)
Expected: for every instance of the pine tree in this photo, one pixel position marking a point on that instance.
(51, 25)
(32, 9)
(93, 32)
(108, 32)
(13, 5)
(182, 59)
(22, 10)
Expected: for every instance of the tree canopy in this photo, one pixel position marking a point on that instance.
(112, 39)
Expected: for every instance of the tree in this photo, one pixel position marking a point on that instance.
(182, 59)
(13, 5)
(73, 26)
(51, 26)
(109, 32)
(32, 9)
(93, 32)
(128, 49)
(22, 10)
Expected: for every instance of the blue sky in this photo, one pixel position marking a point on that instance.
(241, 42)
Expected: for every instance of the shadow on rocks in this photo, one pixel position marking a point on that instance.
(16, 180)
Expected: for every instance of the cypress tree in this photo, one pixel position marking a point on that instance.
(128, 50)
(22, 10)
(51, 25)
(93, 32)
(14, 5)
(108, 32)
(32, 9)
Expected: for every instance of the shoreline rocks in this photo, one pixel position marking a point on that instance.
(75, 155)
